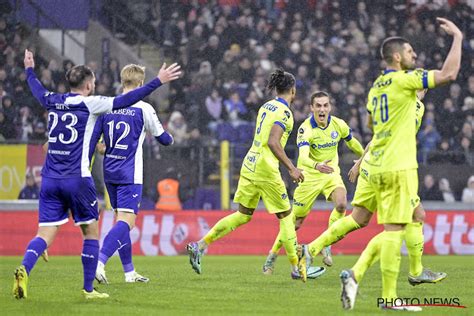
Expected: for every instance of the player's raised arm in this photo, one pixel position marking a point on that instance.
(37, 89)
(275, 146)
(452, 64)
(165, 75)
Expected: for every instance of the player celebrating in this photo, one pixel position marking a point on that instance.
(66, 178)
(260, 176)
(318, 140)
(124, 133)
(390, 165)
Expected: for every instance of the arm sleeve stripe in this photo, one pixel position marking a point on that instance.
(281, 125)
(425, 79)
(348, 137)
(301, 144)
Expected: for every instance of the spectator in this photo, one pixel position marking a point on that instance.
(178, 127)
(7, 129)
(445, 189)
(31, 190)
(430, 190)
(214, 109)
(468, 192)
(236, 109)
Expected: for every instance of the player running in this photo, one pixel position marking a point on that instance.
(124, 131)
(389, 180)
(66, 179)
(260, 176)
(414, 238)
(318, 142)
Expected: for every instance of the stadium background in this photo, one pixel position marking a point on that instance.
(227, 49)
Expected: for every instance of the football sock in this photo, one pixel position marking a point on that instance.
(90, 258)
(335, 216)
(414, 240)
(334, 233)
(391, 243)
(115, 239)
(125, 253)
(278, 244)
(287, 236)
(33, 251)
(225, 226)
(368, 257)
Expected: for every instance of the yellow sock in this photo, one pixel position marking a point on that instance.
(368, 257)
(277, 244)
(334, 233)
(415, 241)
(391, 243)
(225, 226)
(287, 237)
(335, 216)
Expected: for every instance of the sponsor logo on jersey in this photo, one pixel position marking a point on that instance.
(284, 196)
(301, 131)
(334, 134)
(288, 114)
(326, 145)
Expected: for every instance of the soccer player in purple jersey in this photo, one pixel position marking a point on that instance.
(124, 132)
(66, 179)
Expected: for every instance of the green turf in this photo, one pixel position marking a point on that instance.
(228, 285)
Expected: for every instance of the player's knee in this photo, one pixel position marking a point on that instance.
(298, 222)
(341, 206)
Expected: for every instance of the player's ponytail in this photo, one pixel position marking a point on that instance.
(281, 81)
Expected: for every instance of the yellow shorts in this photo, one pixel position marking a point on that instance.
(273, 194)
(395, 194)
(307, 192)
(364, 195)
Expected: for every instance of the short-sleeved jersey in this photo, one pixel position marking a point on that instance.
(71, 120)
(260, 163)
(323, 142)
(392, 105)
(420, 111)
(124, 131)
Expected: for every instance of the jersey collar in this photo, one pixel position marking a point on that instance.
(282, 101)
(387, 71)
(314, 124)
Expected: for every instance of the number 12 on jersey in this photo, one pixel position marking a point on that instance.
(125, 132)
(383, 105)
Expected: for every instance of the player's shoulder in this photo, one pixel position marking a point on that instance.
(337, 121)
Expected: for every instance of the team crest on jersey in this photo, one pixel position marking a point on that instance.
(284, 196)
(334, 134)
(301, 131)
(288, 114)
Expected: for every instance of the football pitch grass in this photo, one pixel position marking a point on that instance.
(228, 285)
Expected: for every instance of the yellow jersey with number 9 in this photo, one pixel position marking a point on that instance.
(392, 104)
(260, 163)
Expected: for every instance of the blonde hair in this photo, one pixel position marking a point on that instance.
(132, 76)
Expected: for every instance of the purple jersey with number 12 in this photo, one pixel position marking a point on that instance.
(124, 131)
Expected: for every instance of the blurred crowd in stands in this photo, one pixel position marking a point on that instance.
(229, 47)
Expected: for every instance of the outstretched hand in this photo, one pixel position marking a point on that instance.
(449, 27)
(324, 167)
(297, 175)
(169, 74)
(354, 172)
(29, 60)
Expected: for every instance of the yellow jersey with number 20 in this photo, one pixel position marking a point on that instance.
(392, 104)
(260, 163)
